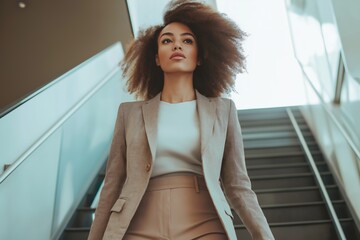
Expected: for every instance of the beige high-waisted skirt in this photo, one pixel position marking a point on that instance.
(176, 207)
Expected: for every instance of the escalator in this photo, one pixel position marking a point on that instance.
(284, 181)
(281, 176)
(79, 225)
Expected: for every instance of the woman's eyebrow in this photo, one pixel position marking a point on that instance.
(171, 34)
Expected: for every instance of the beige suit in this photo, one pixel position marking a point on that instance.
(130, 164)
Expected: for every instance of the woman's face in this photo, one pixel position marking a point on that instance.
(177, 49)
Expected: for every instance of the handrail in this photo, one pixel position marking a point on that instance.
(339, 80)
(331, 115)
(42, 139)
(12, 106)
(319, 180)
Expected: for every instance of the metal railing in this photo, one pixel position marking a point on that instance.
(331, 115)
(58, 124)
(319, 180)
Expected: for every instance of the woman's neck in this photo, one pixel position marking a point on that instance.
(178, 88)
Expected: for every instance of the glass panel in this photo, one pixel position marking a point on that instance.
(86, 137)
(316, 43)
(28, 194)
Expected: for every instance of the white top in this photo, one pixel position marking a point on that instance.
(178, 139)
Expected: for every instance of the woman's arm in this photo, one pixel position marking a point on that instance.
(237, 184)
(114, 179)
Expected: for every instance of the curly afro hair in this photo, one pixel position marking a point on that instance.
(219, 45)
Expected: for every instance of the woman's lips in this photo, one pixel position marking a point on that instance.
(177, 56)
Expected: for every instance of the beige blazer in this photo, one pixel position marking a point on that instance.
(130, 165)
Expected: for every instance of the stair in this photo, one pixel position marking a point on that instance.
(281, 177)
(284, 182)
(79, 225)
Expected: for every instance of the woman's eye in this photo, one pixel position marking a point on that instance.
(166, 41)
(188, 41)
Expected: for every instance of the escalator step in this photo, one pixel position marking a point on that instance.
(341, 209)
(291, 196)
(311, 230)
(272, 135)
(269, 113)
(293, 213)
(276, 169)
(273, 152)
(250, 122)
(267, 160)
(272, 143)
(284, 168)
(295, 181)
(270, 129)
(83, 217)
(76, 234)
(295, 195)
(297, 232)
(289, 180)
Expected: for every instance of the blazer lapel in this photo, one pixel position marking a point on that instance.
(150, 114)
(207, 114)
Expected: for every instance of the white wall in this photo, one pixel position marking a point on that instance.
(273, 78)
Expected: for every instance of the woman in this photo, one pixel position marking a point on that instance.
(173, 153)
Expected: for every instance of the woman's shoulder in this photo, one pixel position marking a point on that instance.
(223, 105)
(130, 106)
(222, 101)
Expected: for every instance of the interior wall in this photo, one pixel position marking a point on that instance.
(45, 39)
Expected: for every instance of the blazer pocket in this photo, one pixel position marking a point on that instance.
(119, 205)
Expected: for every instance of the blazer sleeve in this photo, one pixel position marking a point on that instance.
(114, 178)
(236, 182)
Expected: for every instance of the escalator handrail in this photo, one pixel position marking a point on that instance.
(61, 121)
(319, 180)
(330, 114)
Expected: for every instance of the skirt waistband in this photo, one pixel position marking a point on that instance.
(177, 181)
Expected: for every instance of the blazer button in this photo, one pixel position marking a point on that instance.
(148, 166)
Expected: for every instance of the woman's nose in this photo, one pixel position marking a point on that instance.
(176, 47)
